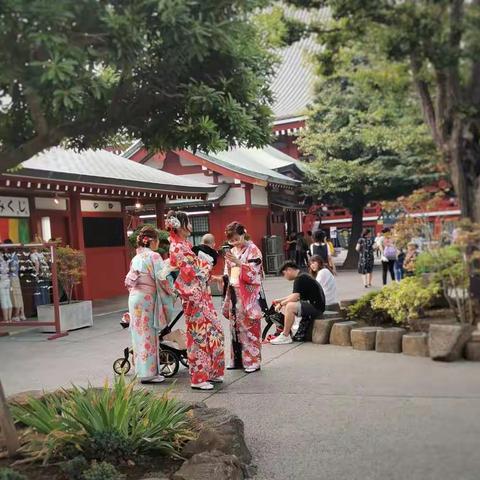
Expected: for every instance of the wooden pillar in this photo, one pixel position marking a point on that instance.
(75, 228)
(160, 212)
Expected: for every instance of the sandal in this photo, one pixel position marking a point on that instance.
(202, 386)
(152, 380)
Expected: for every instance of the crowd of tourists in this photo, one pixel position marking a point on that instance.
(186, 274)
(397, 262)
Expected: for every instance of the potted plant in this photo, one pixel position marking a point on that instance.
(70, 270)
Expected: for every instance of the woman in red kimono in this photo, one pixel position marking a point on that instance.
(244, 268)
(204, 330)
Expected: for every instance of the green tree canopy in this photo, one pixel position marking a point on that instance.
(365, 138)
(439, 42)
(174, 73)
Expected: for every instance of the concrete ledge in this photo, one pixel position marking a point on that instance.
(364, 338)
(340, 334)
(389, 340)
(415, 344)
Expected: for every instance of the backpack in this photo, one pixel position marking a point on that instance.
(390, 252)
(321, 251)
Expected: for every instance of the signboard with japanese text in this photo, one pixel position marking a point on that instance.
(100, 206)
(14, 207)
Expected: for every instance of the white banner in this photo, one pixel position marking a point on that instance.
(100, 206)
(333, 232)
(14, 207)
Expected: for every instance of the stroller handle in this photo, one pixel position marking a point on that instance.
(168, 328)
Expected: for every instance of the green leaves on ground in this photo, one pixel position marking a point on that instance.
(129, 422)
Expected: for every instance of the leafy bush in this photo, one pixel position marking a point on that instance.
(9, 474)
(102, 471)
(362, 310)
(74, 468)
(405, 300)
(162, 236)
(70, 268)
(81, 419)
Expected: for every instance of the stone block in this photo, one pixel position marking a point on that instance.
(389, 340)
(340, 334)
(364, 338)
(415, 344)
(472, 351)
(219, 430)
(475, 336)
(447, 342)
(321, 330)
(211, 466)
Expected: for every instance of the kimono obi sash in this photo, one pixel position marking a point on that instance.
(144, 284)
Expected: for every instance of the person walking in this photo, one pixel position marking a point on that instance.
(205, 350)
(321, 248)
(291, 246)
(244, 269)
(389, 256)
(301, 249)
(398, 267)
(366, 257)
(320, 271)
(150, 305)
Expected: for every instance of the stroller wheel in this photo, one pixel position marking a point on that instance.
(121, 366)
(168, 363)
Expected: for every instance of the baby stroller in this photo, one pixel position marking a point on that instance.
(169, 356)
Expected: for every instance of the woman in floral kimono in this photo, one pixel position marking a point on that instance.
(204, 331)
(244, 268)
(150, 305)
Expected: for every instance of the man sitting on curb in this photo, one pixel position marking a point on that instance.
(306, 300)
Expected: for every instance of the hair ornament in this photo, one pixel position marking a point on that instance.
(172, 223)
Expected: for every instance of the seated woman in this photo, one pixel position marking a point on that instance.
(321, 272)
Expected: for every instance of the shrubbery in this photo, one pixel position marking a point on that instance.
(9, 474)
(118, 423)
(407, 299)
(363, 311)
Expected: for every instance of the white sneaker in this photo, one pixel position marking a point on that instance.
(252, 369)
(202, 386)
(282, 340)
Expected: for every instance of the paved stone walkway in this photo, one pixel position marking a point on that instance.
(313, 412)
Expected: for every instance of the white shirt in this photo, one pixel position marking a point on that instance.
(329, 286)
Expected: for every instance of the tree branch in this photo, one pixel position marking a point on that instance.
(35, 106)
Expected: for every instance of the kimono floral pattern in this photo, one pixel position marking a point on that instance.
(246, 315)
(150, 305)
(204, 330)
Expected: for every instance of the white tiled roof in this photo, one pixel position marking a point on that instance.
(106, 168)
(293, 85)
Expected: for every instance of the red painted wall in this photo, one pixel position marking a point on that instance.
(106, 270)
(255, 221)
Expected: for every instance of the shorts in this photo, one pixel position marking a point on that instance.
(306, 309)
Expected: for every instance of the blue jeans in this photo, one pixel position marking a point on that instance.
(398, 269)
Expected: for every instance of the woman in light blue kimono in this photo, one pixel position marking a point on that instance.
(150, 305)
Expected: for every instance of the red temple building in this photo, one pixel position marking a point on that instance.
(82, 199)
(258, 187)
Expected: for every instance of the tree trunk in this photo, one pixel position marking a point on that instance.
(463, 158)
(357, 223)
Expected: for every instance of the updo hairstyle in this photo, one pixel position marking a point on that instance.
(176, 220)
(234, 228)
(147, 235)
